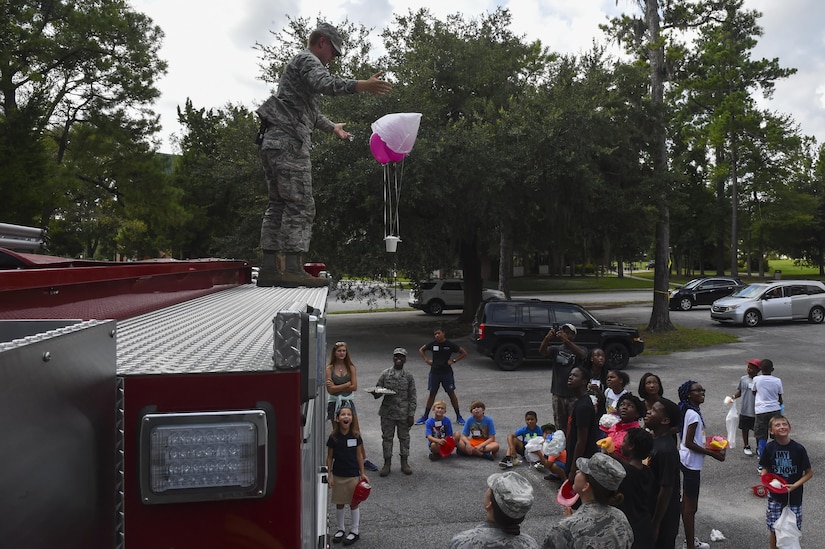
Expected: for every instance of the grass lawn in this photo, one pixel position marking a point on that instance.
(683, 339)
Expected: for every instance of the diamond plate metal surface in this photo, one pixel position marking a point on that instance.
(229, 331)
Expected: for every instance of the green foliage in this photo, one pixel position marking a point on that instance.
(222, 183)
(76, 79)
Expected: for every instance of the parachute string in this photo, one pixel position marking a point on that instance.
(398, 180)
(387, 202)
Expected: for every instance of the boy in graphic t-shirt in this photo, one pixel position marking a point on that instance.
(788, 459)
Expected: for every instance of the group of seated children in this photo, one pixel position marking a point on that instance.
(544, 446)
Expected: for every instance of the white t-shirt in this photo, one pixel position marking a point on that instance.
(767, 388)
(690, 459)
(610, 400)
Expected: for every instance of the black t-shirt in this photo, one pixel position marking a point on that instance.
(562, 361)
(345, 454)
(582, 414)
(441, 354)
(664, 463)
(636, 487)
(790, 462)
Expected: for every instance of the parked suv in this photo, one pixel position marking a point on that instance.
(511, 331)
(436, 296)
(786, 300)
(703, 291)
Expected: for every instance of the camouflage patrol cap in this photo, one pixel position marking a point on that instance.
(513, 493)
(603, 469)
(399, 351)
(333, 35)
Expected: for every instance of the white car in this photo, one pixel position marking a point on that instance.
(785, 300)
(436, 296)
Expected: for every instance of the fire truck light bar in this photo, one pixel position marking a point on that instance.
(205, 456)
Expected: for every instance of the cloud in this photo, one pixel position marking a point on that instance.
(212, 60)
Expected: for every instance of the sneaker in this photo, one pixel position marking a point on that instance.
(538, 466)
(699, 544)
(552, 477)
(370, 466)
(506, 463)
(488, 455)
(748, 451)
(759, 469)
(459, 419)
(434, 457)
(421, 421)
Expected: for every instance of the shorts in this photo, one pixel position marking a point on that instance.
(559, 460)
(691, 479)
(561, 411)
(331, 409)
(760, 429)
(446, 380)
(343, 489)
(746, 423)
(775, 509)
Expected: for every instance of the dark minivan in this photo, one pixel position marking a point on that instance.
(511, 331)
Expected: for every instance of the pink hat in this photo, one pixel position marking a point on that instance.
(566, 496)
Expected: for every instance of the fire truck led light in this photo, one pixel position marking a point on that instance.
(203, 456)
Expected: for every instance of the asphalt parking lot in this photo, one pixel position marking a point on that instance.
(442, 498)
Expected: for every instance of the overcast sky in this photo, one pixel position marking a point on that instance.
(209, 43)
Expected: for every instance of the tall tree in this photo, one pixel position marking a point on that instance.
(222, 183)
(643, 36)
(67, 64)
(719, 80)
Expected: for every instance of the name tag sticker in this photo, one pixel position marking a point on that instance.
(352, 442)
(438, 424)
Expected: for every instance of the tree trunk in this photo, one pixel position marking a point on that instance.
(471, 265)
(720, 223)
(505, 263)
(734, 217)
(660, 316)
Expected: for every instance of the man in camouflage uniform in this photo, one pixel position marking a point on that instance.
(508, 498)
(287, 121)
(397, 411)
(597, 524)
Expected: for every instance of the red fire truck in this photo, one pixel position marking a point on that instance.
(159, 404)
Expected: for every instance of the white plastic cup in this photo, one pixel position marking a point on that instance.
(391, 242)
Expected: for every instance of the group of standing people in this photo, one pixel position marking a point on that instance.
(632, 493)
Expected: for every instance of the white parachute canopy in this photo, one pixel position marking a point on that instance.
(398, 130)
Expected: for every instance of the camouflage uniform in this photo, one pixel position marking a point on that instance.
(396, 409)
(593, 526)
(290, 116)
(488, 536)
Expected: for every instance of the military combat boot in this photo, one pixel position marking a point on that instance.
(294, 274)
(385, 470)
(405, 467)
(270, 271)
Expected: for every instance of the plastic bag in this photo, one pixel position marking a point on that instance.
(534, 444)
(732, 423)
(607, 421)
(554, 445)
(787, 534)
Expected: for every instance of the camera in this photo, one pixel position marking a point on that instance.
(555, 326)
